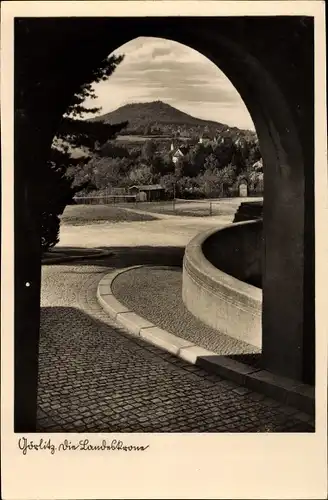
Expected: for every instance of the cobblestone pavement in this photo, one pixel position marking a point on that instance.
(93, 377)
(136, 289)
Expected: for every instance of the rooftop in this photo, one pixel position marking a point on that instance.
(149, 187)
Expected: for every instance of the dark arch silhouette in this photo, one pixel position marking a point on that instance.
(265, 59)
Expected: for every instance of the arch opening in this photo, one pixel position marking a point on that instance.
(176, 98)
(260, 70)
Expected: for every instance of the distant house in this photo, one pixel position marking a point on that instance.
(243, 187)
(151, 192)
(181, 151)
(258, 166)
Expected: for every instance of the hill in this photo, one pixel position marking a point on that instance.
(158, 117)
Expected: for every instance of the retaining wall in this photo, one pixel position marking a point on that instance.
(216, 266)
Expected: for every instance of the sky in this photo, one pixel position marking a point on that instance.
(157, 69)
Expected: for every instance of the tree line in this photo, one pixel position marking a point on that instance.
(215, 167)
(74, 133)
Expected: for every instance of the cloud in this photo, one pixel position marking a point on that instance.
(161, 51)
(155, 68)
(144, 49)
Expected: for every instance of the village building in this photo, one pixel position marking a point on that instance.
(151, 192)
(179, 152)
(243, 187)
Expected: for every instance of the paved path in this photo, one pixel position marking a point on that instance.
(170, 231)
(93, 377)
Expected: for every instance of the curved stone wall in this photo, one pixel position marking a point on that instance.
(216, 266)
(237, 250)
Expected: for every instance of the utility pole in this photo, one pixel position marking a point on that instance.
(174, 182)
(174, 185)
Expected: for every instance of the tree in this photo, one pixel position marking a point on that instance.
(141, 175)
(212, 162)
(134, 153)
(192, 163)
(112, 150)
(148, 129)
(211, 182)
(59, 190)
(148, 151)
(168, 181)
(196, 158)
(227, 177)
(223, 151)
(74, 132)
(158, 165)
(168, 165)
(106, 173)
(185, 186)
(254, 153)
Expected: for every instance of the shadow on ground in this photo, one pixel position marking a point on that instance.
(248, 359)
(94, 378)
(123, 256)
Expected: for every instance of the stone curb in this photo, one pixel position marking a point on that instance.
(286, 391)
(68, 258)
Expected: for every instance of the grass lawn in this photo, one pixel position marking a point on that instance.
(187, 208)
(166, 207)
(84, 214)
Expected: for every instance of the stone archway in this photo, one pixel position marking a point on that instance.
(265, 70)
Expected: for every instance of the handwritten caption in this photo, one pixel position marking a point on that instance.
(47, 445)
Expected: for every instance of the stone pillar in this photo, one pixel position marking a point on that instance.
(288, 271)
(27, 294)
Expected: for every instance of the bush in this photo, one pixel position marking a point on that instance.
(58, 193)
(50, 231)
